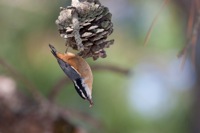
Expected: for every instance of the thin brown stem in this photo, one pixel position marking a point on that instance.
(29, 85)
(57, 87)
(68, 113)
(148, 35)
(110, 68)
(197, 4)
(183, 54)
(192, 32)
(190, 20)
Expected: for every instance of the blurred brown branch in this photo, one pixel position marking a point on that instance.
(29, 85)
(61, 82)
(111, 68)
(40, 116)
(148, 35)
(192, 9)
(67, 113)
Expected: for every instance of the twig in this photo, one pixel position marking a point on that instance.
(110, 68)
(57, 87)
(192, 33)
(61, 82)
(146, 40)
(30, 86)
(197, 4)
(50, 108)
(190, 20)
(69, 113)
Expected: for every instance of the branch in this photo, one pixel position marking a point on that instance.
(57, 87)
(29, 85)
(146, 40)
(110, 68)
(72, 113)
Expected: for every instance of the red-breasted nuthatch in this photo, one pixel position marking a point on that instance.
(78, 70)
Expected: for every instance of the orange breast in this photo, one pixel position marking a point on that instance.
(80, 65)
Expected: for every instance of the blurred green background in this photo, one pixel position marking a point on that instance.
(154, 98)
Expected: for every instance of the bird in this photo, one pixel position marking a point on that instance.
(78, 70)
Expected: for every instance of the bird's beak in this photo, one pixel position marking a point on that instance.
(91, 102)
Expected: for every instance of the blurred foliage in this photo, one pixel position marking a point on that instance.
(27, 27)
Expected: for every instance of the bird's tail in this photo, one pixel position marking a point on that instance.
(53, 50)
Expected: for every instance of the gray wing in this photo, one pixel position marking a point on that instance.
(68, 70)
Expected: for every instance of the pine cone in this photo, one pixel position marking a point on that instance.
(86, 26)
